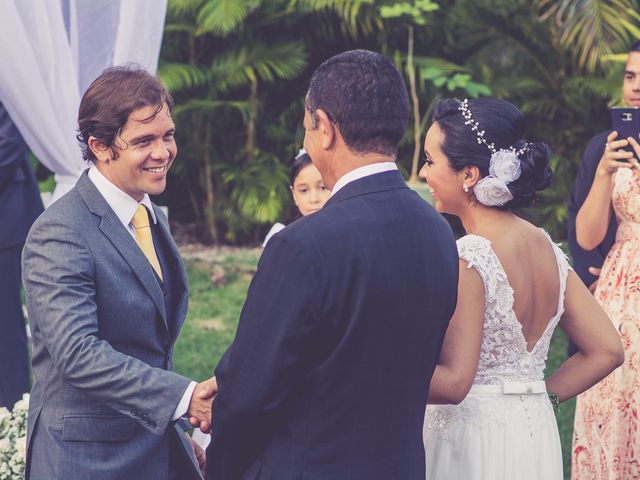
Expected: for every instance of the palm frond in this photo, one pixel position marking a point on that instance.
(211, 105)
(180, 27)
(518, 87)
(357, 16)
(615, 58)
(180, 76)
(591, 29)
(183, 7)
(260, 62)
(259, 189)
(222, 17)
(543, 107)
(595, 86)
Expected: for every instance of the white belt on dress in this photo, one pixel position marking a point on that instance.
(510, 388)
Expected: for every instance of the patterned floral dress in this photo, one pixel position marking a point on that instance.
(606, 439)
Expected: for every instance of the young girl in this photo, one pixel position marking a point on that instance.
(307, 188)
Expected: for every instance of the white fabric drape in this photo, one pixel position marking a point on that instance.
(51, 50)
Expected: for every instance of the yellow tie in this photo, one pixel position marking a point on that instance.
(144, 240)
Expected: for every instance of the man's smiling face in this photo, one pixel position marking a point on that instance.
(145, 149)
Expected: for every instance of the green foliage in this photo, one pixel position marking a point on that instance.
(180, 76)
(415, 10)
(591, 29)
(239, 71)
(249, 64)
(356, 16)
(258, 190)
(222, 17)
(453, 81)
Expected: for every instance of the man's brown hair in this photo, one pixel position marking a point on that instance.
(111, 98)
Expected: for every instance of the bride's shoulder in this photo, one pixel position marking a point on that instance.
(475, 249)
(473, 242)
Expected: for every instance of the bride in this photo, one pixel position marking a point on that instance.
(515, 286)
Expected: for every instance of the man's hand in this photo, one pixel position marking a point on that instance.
(199, 453)
(200, 404)
(596, 273)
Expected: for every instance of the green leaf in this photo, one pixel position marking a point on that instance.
(615, 57)
(440, 81)
(476, 90)
(180, 27)
(222, 17)
(182, 7)
(246, 65)
(430, 73)
(179, 76)
(210, 105)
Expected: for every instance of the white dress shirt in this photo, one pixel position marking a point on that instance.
(362, 172)
(125, 207)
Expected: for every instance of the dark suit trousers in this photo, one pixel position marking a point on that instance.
(14, 359)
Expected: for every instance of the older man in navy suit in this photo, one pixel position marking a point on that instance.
(20, 205)
(584, 260)
(329, 372)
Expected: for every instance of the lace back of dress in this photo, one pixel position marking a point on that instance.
(504, 355)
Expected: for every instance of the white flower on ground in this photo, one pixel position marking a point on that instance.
(21, 448)
(4, 415)
(5, 445)
(22, 405)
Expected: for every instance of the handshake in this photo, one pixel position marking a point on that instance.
(200, 405)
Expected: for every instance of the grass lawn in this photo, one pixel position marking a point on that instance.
(214, 311)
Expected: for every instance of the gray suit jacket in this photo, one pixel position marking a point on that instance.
(103, 393)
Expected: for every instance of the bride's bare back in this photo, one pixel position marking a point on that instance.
(532, 271)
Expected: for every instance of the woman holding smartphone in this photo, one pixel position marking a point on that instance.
(606, 438)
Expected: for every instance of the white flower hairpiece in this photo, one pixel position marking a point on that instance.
(504, 166)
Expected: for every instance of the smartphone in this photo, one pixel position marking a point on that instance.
(626, 121)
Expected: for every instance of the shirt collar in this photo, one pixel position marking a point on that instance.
(121, 203)
(361, 172)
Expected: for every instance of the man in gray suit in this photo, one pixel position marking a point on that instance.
(107, 295)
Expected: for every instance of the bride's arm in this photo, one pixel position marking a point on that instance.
(460, 353)
(590, 329)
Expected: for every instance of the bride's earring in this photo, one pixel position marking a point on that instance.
(465, 187)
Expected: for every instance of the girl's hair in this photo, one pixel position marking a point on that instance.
(302, 160)
(504, 127)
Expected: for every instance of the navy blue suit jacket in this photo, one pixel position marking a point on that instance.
(20, 202)
(329, 372)
(583, 259)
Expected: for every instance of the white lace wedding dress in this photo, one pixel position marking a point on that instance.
(505, 428)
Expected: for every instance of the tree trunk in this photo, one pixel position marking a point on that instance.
(251, 123)
(211, 233)
(207, 204)
(411, 72)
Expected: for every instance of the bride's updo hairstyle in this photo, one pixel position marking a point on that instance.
(489, 133)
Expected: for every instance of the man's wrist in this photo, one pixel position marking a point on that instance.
(183, 406)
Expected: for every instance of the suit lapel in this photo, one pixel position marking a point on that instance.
(176, 267)
(123, 242)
